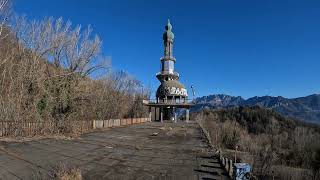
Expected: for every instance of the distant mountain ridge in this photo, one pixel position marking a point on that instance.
(303, 108)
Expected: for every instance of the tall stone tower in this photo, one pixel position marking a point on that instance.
(170, 89)
(171, 94)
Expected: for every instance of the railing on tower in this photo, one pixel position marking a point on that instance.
(167, 72)
(168, 101)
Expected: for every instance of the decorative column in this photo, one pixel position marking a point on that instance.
(161, 114)
(187, 115)
(156, 117)
(150, 113)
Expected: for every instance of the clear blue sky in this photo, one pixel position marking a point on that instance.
(244, 48)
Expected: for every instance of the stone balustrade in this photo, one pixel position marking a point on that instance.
(118, 122)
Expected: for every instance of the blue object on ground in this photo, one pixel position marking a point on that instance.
(241, 171)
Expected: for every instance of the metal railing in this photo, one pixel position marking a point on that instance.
(167, 73)
(168, 101)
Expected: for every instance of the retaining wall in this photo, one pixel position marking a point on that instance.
(11, 128)
(118, 122)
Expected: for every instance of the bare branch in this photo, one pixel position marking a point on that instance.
(5, 6)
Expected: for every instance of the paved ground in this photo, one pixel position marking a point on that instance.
(178, 151)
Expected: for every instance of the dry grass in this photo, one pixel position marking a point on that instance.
(266, 140)
(66, 172)
(60, 172)
(291, 173)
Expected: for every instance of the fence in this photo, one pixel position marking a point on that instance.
(12, 128)
(226, 163)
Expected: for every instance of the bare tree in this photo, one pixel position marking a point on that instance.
(74, 49)
(42, 70)
(4, 13)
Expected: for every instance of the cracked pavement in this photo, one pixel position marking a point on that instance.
(151, 150)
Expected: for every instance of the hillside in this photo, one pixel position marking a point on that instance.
(48, 79)
(303, 108)
(265, 138)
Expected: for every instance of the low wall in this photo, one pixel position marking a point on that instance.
(11, 128)
(118, 122)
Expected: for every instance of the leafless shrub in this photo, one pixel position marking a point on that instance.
(66, 172)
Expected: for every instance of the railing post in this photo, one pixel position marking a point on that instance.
(94, 124)
(227, 165)
(230, 168)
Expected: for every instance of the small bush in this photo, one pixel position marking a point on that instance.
(66, 172)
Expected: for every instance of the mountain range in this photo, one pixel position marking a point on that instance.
(302, 108)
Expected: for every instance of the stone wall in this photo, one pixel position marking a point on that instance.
(118, 122)
(11, 128)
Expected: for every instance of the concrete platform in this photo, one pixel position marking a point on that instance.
(143, 151)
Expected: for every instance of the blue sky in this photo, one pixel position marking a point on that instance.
(242, 48)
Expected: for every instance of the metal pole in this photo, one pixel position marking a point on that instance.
(235, 155)
(193, 92)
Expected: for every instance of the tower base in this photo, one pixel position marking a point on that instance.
(162, 114)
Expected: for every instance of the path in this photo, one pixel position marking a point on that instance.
(143, 151)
